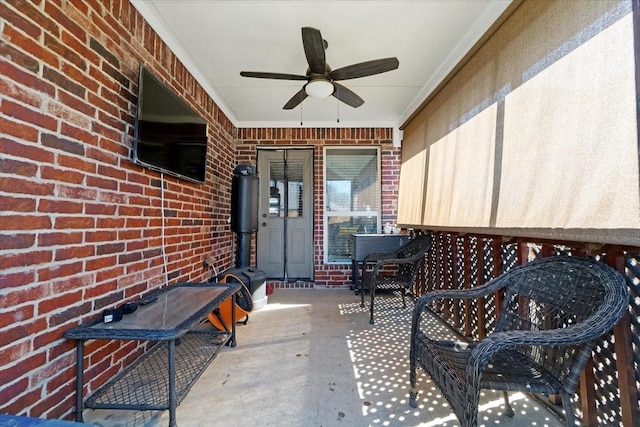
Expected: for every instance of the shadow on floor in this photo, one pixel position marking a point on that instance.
(310, 358)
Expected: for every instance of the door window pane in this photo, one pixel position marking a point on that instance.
(286, 189)
(352, 198)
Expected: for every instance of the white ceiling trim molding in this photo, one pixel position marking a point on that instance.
(482, 24)
(152, 17)
(319, 124)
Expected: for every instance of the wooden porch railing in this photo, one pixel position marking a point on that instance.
(608, 393)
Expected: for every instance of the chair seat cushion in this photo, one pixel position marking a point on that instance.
(509, 370)
(386, 281)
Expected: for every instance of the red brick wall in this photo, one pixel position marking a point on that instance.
(248, 140)
(80, 224)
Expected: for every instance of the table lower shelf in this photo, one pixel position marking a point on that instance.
(144, 385)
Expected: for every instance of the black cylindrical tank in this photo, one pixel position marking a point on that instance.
(244, 200)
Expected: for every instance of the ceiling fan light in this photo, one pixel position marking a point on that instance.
(319, 88)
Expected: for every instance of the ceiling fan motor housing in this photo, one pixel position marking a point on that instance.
(319, 87)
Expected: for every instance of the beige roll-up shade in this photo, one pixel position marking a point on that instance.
(536, 136)
(460, 173)
(412, 177)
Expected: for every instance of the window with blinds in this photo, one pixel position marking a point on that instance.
(352, 198)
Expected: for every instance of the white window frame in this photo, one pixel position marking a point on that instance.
(326, 214)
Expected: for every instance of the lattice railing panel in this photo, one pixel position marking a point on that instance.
(472, 311)
(632, 266)
(606, 382)
(509, 256)
(488, 274)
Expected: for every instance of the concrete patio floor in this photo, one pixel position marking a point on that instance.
(311, 358)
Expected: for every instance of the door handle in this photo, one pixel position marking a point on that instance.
(264, 224)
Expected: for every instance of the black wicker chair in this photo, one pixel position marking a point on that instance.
(407, 261)
(552, 312)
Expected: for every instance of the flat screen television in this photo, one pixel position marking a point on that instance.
(169, 135)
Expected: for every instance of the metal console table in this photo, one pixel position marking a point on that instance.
(164, 374)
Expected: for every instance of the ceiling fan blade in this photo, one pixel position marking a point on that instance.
(314, 49)
(277, 76)
(347, 96)
(295, 100)
(365, 69)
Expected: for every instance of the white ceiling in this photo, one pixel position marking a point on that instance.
(216, 39)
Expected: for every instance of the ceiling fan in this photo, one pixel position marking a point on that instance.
(321, 80)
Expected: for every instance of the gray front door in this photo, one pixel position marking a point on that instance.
(285, 232)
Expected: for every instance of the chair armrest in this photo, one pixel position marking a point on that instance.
(380, 259)
(598, 323)
(471, 293)
(397, 260)
(570, 335)
(408, 260)
(377, 256)
(418, 245)
(388, 261)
